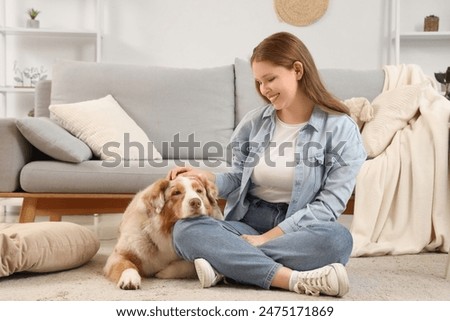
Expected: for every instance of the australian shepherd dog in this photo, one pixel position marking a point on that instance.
(144, 247)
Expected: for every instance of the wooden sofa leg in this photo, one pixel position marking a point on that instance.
(28, 211)
(55, 218)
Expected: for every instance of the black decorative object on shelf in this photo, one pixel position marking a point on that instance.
(444, 78)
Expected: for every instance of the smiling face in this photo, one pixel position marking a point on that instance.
(296, 87)
(278, 84)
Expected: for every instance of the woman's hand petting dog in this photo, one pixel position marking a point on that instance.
(189, 171)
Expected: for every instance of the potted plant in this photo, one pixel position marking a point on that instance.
(32, 22)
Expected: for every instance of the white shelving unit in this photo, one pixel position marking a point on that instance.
(46, 32)
(430, 35)
(6, 31)
(400, 35)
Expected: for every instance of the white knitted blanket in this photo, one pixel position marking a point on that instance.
(401, 195)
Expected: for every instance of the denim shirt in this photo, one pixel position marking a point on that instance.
(328, 155)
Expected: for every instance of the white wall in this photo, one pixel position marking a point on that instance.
(199, 33)
(431, 55)
(204, 33)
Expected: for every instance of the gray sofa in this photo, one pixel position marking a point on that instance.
(189, 114)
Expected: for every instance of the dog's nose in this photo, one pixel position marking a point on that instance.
(195, 203)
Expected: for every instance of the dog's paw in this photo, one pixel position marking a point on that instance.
(129, 280)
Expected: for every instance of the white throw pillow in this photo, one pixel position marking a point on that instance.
(391, 112)
(106, 128)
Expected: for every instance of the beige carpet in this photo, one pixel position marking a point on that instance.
(389, 278)
(411, 277)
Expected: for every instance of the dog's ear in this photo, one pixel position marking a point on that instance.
(153, 197)
(211, 190)
(212, 194)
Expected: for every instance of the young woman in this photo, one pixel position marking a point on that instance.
(294, 167)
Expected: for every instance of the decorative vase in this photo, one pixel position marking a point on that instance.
(32, 23)
(431, 23)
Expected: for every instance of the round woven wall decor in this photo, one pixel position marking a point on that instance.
(300, 12)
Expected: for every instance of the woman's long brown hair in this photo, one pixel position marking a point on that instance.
(283, 49)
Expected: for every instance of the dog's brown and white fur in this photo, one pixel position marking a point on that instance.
(144, 247)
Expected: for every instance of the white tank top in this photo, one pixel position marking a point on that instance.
(273, 176)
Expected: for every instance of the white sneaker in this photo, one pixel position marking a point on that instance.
(330, 280)
(206, 274)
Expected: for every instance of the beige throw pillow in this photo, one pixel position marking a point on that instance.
(45, 247)
(106, 128)
(391, 112)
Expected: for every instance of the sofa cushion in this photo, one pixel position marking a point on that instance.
(53, 140)
(106, 128)
(96, 176)
(392, 110)
(42, 98)
(45, 246)
(182, 110)
(247, 97)
(346, 83)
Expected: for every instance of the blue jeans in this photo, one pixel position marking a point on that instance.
(314, 245)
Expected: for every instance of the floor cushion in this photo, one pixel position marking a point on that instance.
(44, 246)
